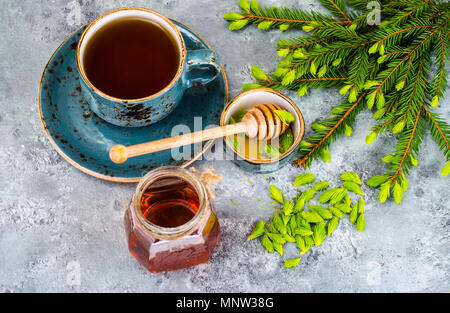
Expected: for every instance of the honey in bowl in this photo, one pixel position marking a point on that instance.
(261, 150)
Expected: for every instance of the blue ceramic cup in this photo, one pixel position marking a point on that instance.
(196, 67)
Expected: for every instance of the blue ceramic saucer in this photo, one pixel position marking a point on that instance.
(84, 140)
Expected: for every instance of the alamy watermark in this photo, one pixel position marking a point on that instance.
(374, 16)
(73, 277)
(374, 274)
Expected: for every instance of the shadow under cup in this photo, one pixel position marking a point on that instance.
(124, 51)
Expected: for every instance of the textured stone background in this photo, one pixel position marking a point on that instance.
(54, 218)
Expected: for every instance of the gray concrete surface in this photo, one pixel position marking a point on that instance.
(56, 222)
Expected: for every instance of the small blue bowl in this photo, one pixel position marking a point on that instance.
(245, 101)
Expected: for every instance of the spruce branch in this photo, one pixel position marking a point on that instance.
(408, 143)
(314, 83)
(380, 128)
(439, 82)
(394, 181)
(387, 67)
(412, 97)
(337, 7)
(389, 76)
(274, 17)
(359, 68)
(414, 9)
(301, 42)
(391, 35)
(440, 131)
(329, 131)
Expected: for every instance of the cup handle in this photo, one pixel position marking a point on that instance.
(202, 67)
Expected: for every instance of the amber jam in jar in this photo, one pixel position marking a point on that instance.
(171, 223)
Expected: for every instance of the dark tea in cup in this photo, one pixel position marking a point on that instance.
(135, 68)
(131, 58)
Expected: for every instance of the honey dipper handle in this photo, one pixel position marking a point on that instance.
(120, 154)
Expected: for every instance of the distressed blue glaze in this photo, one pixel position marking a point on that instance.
(134, 114)
(84, 139)
(201, 66)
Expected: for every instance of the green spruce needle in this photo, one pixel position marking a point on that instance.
(304, 179)
(258, 230)
(336, 212)
(276, 194)
(446, 169)
(291, 223)
(361, 223)
(361, 206)
(351, 177)
(376, 181)
(332, 224)
(270, 151)
(292, 263)
(278, 247)
(353, 187)
(299, 205)
(312, 217)
(320, 186)
(285, 116)
(319, 233)
(286, 141)
(354, 214)
(324, 213)
(303, 231)
(267, 244)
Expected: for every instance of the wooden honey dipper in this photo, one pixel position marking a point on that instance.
(259, 122)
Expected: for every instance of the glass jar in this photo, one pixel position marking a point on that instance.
(170, 222)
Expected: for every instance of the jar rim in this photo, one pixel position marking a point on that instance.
(170, 233)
